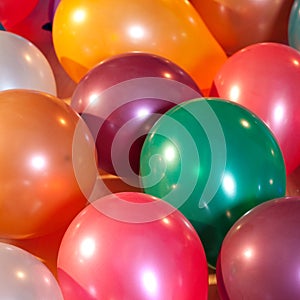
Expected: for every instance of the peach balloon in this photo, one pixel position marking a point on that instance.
(40, 192)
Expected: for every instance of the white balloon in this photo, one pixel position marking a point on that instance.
(24, 66)
(23, 276)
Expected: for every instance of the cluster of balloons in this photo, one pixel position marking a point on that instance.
(194, 103)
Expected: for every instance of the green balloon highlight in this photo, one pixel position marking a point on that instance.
(214, 160)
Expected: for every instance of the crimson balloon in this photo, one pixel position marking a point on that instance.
(132, 246)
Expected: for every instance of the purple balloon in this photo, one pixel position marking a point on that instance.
(121, 98)
(260, 257)
(52, 9)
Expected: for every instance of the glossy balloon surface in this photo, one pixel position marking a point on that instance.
(119, 258)
(40, 191)
(214, 160)
(237, 24)
(23, 65)
(259, 258)
(121, 98)
(265, 79)
(23, 276)
(88, 32)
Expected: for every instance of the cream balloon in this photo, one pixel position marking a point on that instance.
(24, 66)
(23, 276)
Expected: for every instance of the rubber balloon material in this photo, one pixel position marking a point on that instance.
(176, 32)
(213, 160)
(40, 190)
(259, 256)
(158, 259)
(121, 98)
(265, 79)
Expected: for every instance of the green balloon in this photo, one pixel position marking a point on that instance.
(214, 160)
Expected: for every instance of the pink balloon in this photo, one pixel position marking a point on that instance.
(259, 257)
(125, 255)
(265, 78)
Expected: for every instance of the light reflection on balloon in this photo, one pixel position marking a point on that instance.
(265, 79)
(23, 276)
(214, 160)
(172, 29)
(161, 258)
(24, 66)
(259, 255)
(121, 98)
(40, 191)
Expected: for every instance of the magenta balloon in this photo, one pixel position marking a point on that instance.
(260, 257)
(122, 97)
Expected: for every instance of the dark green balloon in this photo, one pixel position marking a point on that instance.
(213, 160)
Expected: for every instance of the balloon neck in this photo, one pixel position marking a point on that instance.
(47, 26)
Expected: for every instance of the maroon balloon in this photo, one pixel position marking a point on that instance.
(260, 257)
(121, 98)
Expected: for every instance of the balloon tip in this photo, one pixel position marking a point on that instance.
(47, 26)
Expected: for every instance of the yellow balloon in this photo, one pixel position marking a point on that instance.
(86, 32)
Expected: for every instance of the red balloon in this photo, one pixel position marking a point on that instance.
(132, 246)
(14, 11)
(265, 78)
(259, 257)
(121, 98)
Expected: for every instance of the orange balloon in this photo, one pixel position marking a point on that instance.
(86, 32)
(237, 24)
(40, 191)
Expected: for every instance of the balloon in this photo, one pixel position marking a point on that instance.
(88, 32)
(43, 142)
(213, 160)
(237, 24)
(52, 8)
(45, 247)
(125, 256)
(293, 183)
(12, 12)
(121, 98)
(259, 258)
(294, 26)
(265, 79)
(23, 276)
(23, 65)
